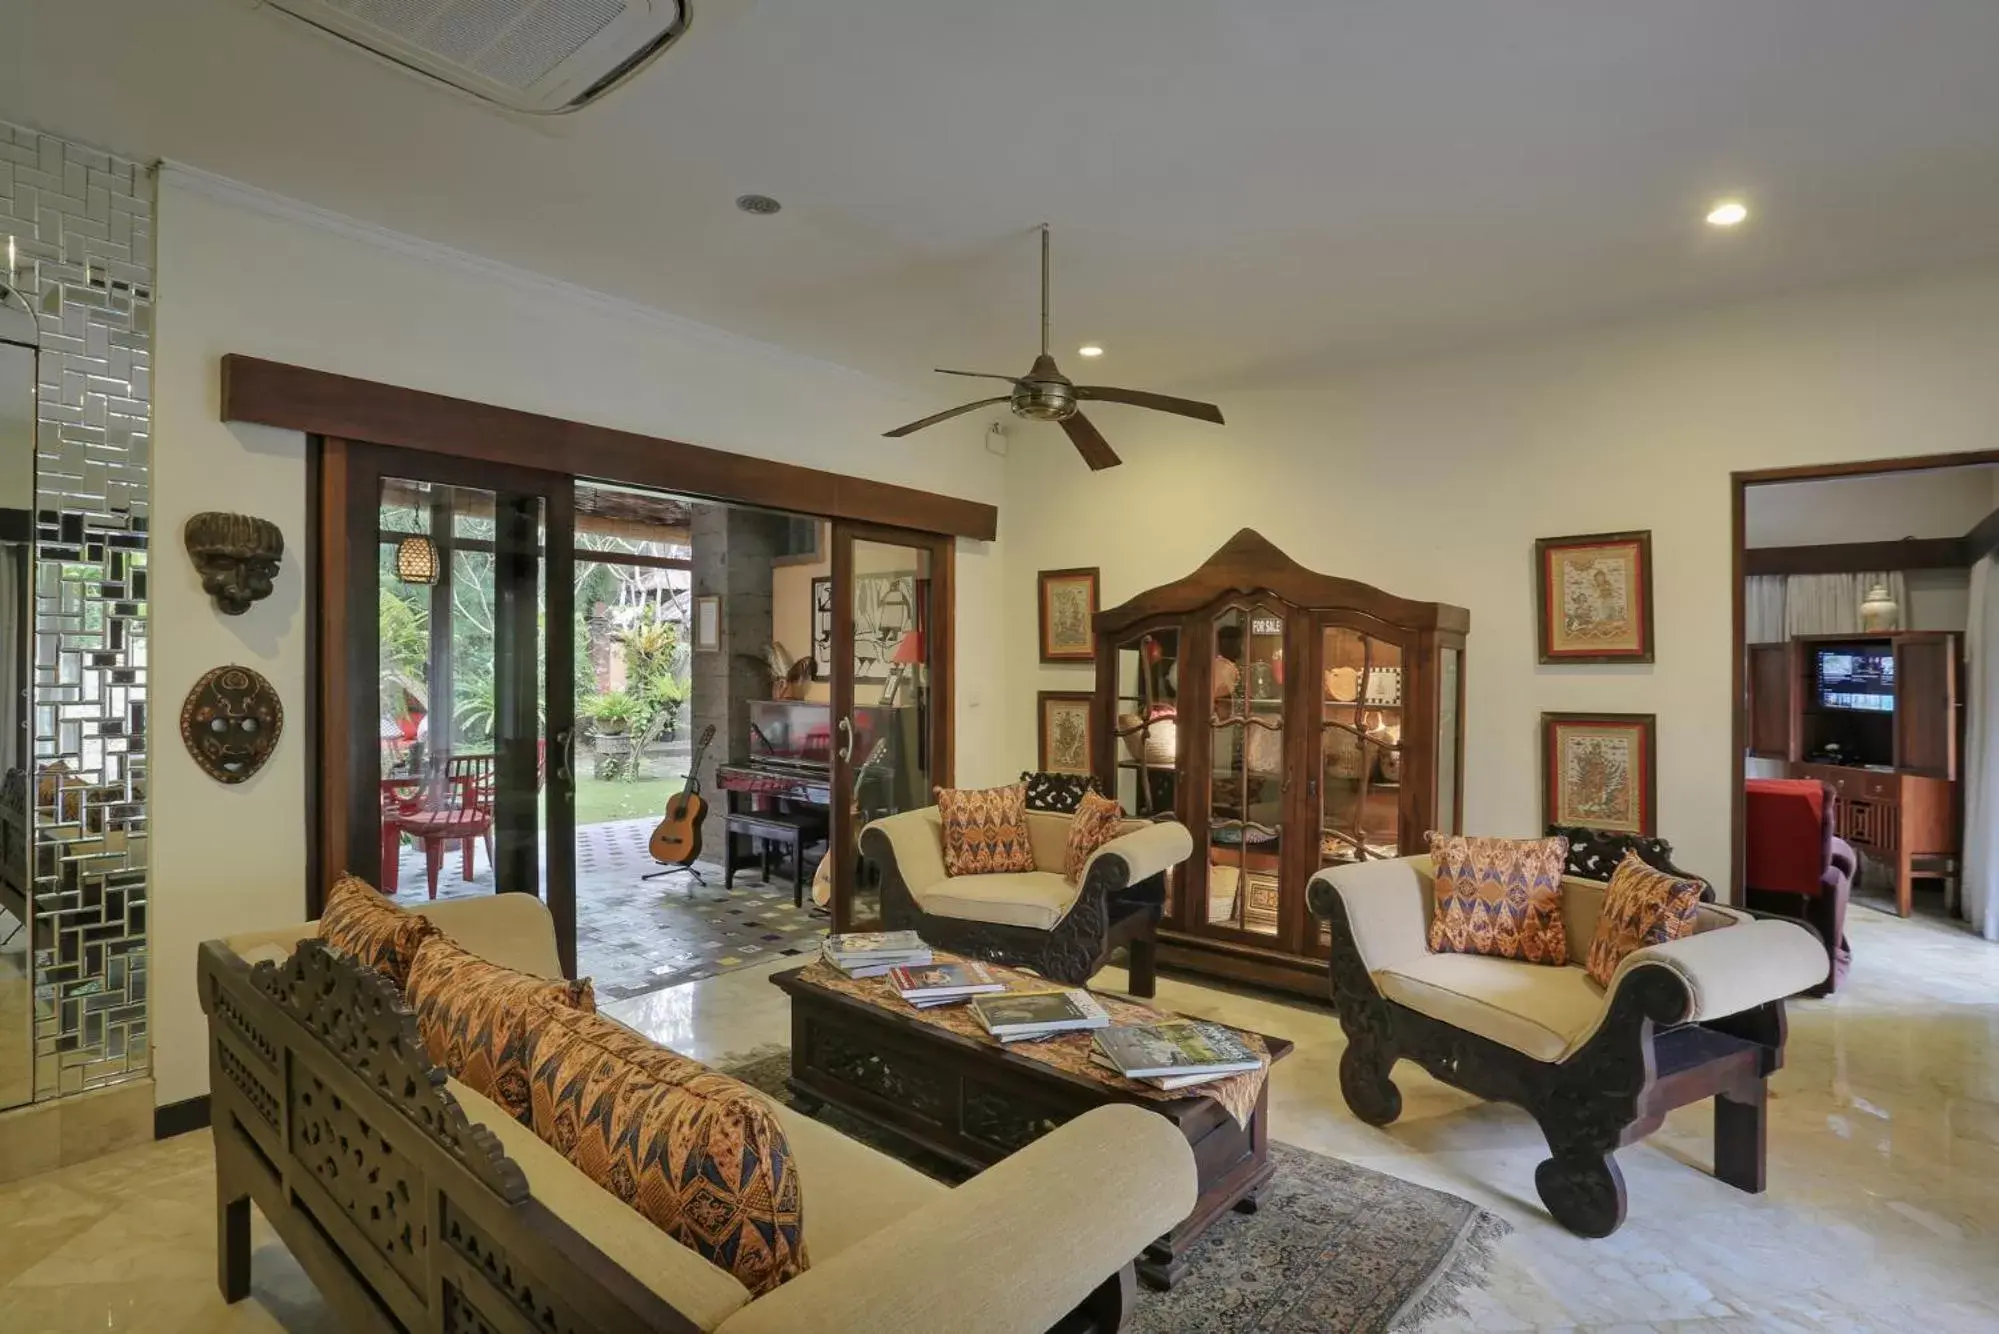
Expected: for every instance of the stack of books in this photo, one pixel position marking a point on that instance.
(1023, 1016)
(1176, 1054)
(929, 985)
(874, 953)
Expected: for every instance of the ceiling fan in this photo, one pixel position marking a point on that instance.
(1044, 394)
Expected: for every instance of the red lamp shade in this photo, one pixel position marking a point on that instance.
(909, 653)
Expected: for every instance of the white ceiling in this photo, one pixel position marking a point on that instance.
(1241, 192)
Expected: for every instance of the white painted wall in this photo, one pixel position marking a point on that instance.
(1941, 502)
(243, 273)
(1433, 480)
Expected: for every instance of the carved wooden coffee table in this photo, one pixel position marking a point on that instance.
(974, 1102)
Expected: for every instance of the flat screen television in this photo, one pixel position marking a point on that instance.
(1856, 680)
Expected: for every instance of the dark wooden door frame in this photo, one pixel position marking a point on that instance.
(320, 403)
(1739, 484)
(941, 627)
(343, 755)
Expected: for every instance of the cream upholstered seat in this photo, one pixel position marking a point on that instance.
(1544, 1012)
(1583, 1058)
(1037, 919)
(1038, 899)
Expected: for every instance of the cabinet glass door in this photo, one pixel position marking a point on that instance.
(1246, 780)
(1146, 749)
(1360, 755)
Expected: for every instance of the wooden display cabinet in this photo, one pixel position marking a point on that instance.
(1293, 720)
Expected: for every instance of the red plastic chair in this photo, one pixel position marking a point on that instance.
(460, 812)
(436, 817)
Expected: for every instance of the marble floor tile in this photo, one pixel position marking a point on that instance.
(1882, 1212)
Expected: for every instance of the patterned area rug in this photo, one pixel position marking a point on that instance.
(1334, 1247)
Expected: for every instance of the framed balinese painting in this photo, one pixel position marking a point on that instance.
(1068, 610)
(1593, 597)
(1600, 770)
(1066, 743)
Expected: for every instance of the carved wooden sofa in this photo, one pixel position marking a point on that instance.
(1598, 1068)
(414, 1203)
(1032, 919)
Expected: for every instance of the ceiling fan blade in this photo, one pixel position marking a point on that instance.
(942, 416)
(1139, 398)
(1089, 442)
(981, 375)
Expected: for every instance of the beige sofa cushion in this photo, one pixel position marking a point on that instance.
(698, 1290)
(1038, 899)
(1540, 1011)
(848, 1191)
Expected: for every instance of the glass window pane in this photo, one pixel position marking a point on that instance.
(1148, 730)
(1246, 763)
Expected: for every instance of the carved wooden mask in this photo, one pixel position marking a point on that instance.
(237, 555)
(231, 723)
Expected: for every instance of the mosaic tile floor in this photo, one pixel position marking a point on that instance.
(635, 935)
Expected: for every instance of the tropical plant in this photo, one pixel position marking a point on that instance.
(612, 711)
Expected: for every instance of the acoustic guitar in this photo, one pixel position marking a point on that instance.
(676, 841)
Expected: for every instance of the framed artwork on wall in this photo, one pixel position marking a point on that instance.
(1068, 610)
(1593, 597)
(888, 605)
(822, 629)
(707, 623)
(1600, 770)
(1066, 743)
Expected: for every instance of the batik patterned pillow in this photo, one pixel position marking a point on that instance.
(1096, 823)
(1642, 907)
(359, 922)
(1500, 897)
(985, 830)
(476, 1018)
(704, 1159)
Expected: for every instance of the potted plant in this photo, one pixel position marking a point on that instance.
(612, 712)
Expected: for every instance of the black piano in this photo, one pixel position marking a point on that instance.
(781, 796)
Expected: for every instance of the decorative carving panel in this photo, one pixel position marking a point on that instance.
(531, 1297)
(367, 1176)
(78, 225)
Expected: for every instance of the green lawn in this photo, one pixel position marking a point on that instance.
(598, 800)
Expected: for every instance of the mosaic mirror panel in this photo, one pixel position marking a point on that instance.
(77, 230)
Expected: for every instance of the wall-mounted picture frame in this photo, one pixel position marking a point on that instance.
(1600, 770)
(822, 628)
(1068, 612)
(1593, 598)
(707, 623)
(1067, 731)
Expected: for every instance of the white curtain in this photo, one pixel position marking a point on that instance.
(1763, 608)
(1981, 754)
(1829, 604)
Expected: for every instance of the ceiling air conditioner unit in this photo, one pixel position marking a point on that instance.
(537, 56)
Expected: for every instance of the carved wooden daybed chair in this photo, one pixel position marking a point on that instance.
(414, 1203)
(1032, 919)
(1598, 1068)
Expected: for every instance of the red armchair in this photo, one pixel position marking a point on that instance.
(1794, 866)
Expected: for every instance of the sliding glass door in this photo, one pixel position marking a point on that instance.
(453, 697)
(891, 695)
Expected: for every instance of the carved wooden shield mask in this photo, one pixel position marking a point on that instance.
(231, 723)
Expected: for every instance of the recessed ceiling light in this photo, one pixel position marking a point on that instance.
(1089, 350)
(761, 204)
(1727, 213)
